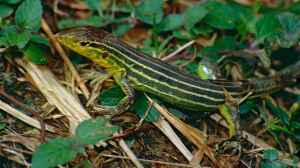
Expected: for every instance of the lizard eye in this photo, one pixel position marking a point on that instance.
(84, 43)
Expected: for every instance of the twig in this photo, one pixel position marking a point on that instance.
(130, 154)
(166, 129)
(33, 112)
(64, 56)
(150, 161)
(170, 56)
(21, 116)
(191, 133)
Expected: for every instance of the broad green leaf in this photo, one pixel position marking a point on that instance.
(221, 15)
(96, 21)
(36, 38)
(171, 22)
(290, 32)
(193, 15)
(5, 11)
(122, 29)
(2, 126)
(112, 96)
(12, 37)
(35, 54)
(267, 27)
(28, 14)
(95, 130)
(55, 152)
(10, 1)
(279, 112)
(93, 4)
(150, 11)
(225, 43)
(272, 164)
(247, 106)
(271, 154)
(142, 105)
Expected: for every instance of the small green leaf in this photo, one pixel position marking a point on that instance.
(96, 21)
(55, 152)
(122, 29)
(5, 11)
(150, 11)
(171, 22)
(221, 15)
(95, 130)
(193, 15)
(29, 14)
(2, 126)
(290, 24)
(36, 38)
(10, 1)
(35, 54)
(93, 4)
(279, 112)
(271, 154)
(12, 37)
(112, 96)
(267, 27)
(141, 105)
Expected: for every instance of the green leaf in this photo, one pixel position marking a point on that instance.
(95, 130)
(271, 154)
(93, 4)
(272, 164)
(112, 96)
(141, 105)
(225, 43)
(221, 15)
(150, 11)
(12, 37)
(290, 24)
(96, 21)
(5, 11)
(266, 27)
(193, 15)
(10, 1)
(36, 38)
(122, 29)
(279, 112)
(2, 126)
(171, 22)
(55, 152)
(29, 14)
(35, 54)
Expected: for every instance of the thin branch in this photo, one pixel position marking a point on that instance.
(150, 161)
(64, 56)
(170, 56)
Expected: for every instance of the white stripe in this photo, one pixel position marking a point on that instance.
(162, 74)
(175, 97)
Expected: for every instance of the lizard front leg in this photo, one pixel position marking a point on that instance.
(119, 75)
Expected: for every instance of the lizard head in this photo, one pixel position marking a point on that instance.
(86, 41)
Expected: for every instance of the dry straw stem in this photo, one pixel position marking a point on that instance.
(191, 133)
(64, 56)
(23, 117)
(64, 101)
(165, 127)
